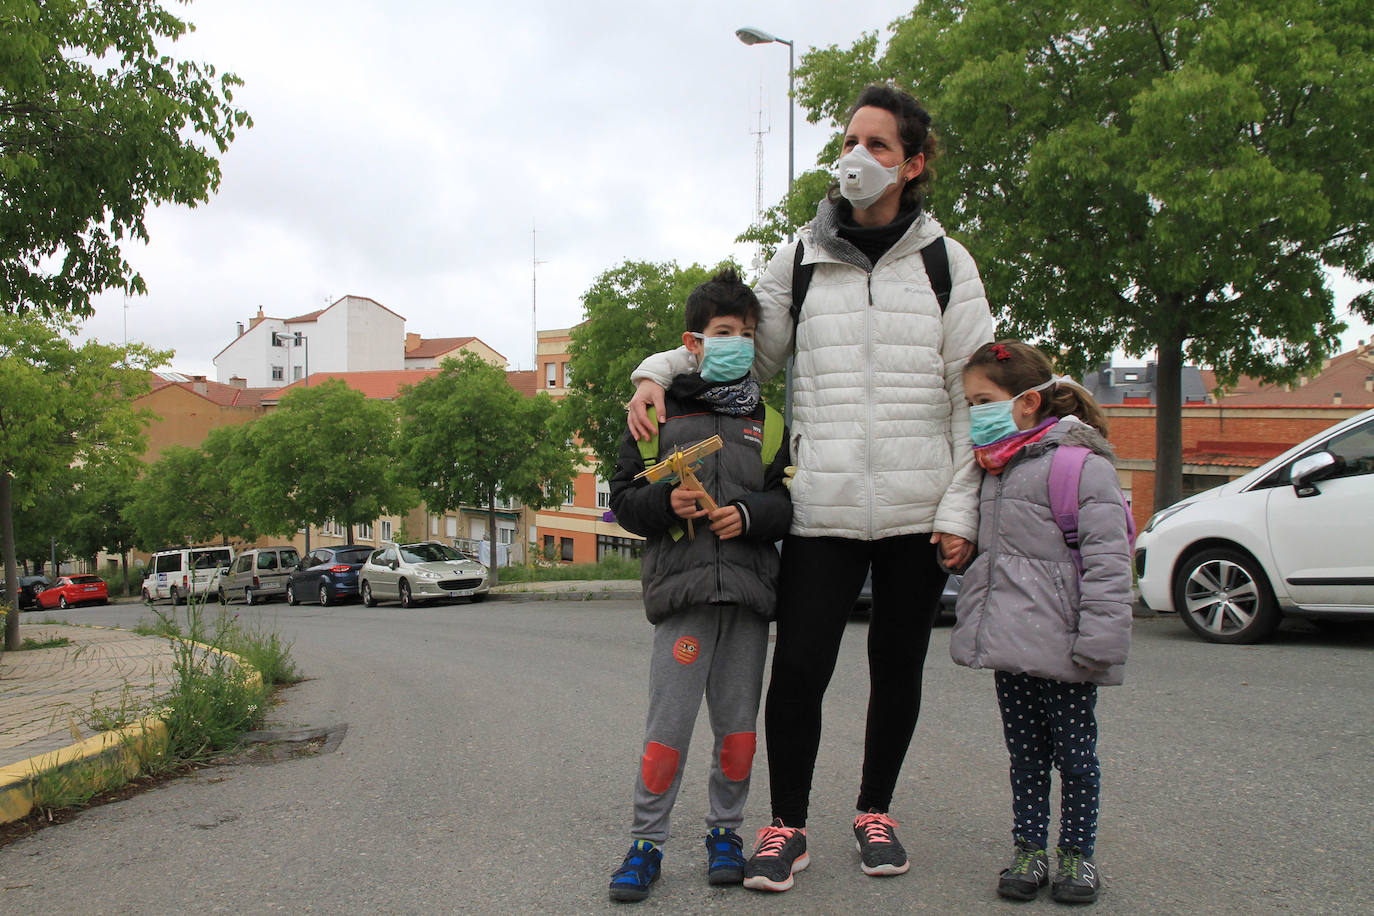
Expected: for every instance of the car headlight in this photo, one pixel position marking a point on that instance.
(1158, 518)
(426, 574)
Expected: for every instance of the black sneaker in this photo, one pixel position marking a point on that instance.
(637, 873)
(779, 853)
(724, 856)
(1076, 880)
(879, 849)
(1029, 871)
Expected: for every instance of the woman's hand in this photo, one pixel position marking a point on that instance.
(955, 552)
(646, 392)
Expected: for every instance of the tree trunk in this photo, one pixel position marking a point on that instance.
(124, 564)
(1169, 421)
(491, 537)
(11, 567)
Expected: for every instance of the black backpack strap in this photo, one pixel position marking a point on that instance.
(801, 279)
(936, 259)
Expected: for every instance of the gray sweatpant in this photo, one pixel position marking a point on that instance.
(717, 652)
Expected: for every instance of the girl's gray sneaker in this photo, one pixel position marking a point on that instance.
(1029, 871)
(1076, 880)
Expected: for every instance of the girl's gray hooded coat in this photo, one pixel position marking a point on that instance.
(1022, 608)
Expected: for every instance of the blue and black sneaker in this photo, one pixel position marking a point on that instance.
(724, 856)
(637, 873)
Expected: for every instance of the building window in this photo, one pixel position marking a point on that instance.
(434, 525)
(551, 374)
(365, 531)
(603, 494)
(567, 545)
(505, 535)
(296, 373)
(629, 548)
(569, 495)
(276, 339)
(278, 374)
(451, 526)
(567, 374)
(385, 526)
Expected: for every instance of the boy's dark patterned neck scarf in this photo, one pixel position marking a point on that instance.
(734, 398)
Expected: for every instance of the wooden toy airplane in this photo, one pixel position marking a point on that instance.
(679, 466)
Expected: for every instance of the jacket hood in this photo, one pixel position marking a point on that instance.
(825, 233)
(1072, 431)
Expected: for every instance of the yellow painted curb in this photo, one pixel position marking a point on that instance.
(102, 761)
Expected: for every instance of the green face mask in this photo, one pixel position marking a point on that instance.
(724, 359)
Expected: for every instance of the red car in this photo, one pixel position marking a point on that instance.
(72, 590)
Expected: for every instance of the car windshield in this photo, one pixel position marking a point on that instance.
(429, 553)
(352, 556)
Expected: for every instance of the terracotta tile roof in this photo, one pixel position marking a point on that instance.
(1221, 459)
(1346, 375)
(308, 316)
(436, 346)
(214, 392)
(382, 384)
(524, 381)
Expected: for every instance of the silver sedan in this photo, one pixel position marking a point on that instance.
(411, 573)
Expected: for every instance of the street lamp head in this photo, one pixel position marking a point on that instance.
(755, 36)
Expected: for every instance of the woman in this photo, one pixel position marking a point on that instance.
(884, 469)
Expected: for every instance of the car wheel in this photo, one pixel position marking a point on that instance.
(291, 594)
(62, 602)
(405, 594)
(247, 595)
(324, 595)
(1223, 596)
(147, 598)
(172, 593)
(368, 600)
(223, 598)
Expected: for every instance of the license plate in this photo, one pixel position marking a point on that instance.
(461, 593)
(89, 588)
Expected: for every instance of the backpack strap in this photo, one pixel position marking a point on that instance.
(772, 435)
(934, 256)
(1066, 467)
(801, 281)
(648, 450)
(936, 260)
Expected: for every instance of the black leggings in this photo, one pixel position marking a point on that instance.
(821, 578)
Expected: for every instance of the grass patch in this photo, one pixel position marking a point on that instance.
(55, 642)
(609, 568)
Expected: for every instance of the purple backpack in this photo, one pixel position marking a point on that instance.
(1066, 466)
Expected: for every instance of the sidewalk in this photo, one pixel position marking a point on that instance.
(47, 696)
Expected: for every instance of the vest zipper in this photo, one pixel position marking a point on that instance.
(868, 421)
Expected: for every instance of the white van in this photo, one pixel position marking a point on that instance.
(184, 571)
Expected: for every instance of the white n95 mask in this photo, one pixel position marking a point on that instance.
(863, 179)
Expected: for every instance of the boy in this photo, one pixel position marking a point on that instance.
(710, 595)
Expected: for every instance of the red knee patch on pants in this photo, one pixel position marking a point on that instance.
(737, 755)
(658, 767)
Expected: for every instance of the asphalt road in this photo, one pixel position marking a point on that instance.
(490, 749)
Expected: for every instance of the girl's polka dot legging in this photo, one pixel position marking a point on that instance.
(1050, 722)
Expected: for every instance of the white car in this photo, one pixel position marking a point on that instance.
(1294, 536)
(411, 573)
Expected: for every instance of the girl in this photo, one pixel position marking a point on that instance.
(1051, 634)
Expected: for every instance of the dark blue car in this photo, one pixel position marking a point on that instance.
(327, 575)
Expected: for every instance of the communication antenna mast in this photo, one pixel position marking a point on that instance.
(534, 296)
(758, 133)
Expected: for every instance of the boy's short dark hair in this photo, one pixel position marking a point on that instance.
(724, 294)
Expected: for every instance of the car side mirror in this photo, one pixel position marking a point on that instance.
(1310, 469)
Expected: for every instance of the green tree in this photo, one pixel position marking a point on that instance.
(466, 437)
(194, 495)
(97, 123)
(1166, 176)
(324, 453)
(632, 310)
(61, 406)
(99, 518)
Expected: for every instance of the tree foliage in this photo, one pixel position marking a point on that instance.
(61, 407)
(1163, 176)
(324, 454)
(632, 310)
(97, 123)
(467, 437)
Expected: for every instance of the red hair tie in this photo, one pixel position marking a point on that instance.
(1000, 351)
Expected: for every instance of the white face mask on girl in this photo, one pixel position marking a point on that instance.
(864, 179)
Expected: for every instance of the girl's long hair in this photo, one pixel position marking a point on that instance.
(1015, 366)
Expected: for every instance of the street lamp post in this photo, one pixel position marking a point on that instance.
(752, 36)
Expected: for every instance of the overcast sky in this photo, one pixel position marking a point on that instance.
(406, 151)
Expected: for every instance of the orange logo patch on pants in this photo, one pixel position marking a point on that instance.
(687, 650)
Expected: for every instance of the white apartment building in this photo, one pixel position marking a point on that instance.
(355, 334)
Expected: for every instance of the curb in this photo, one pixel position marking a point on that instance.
(101, 761)
(571, 594)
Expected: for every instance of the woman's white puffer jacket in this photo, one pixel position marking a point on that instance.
(880, 431)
